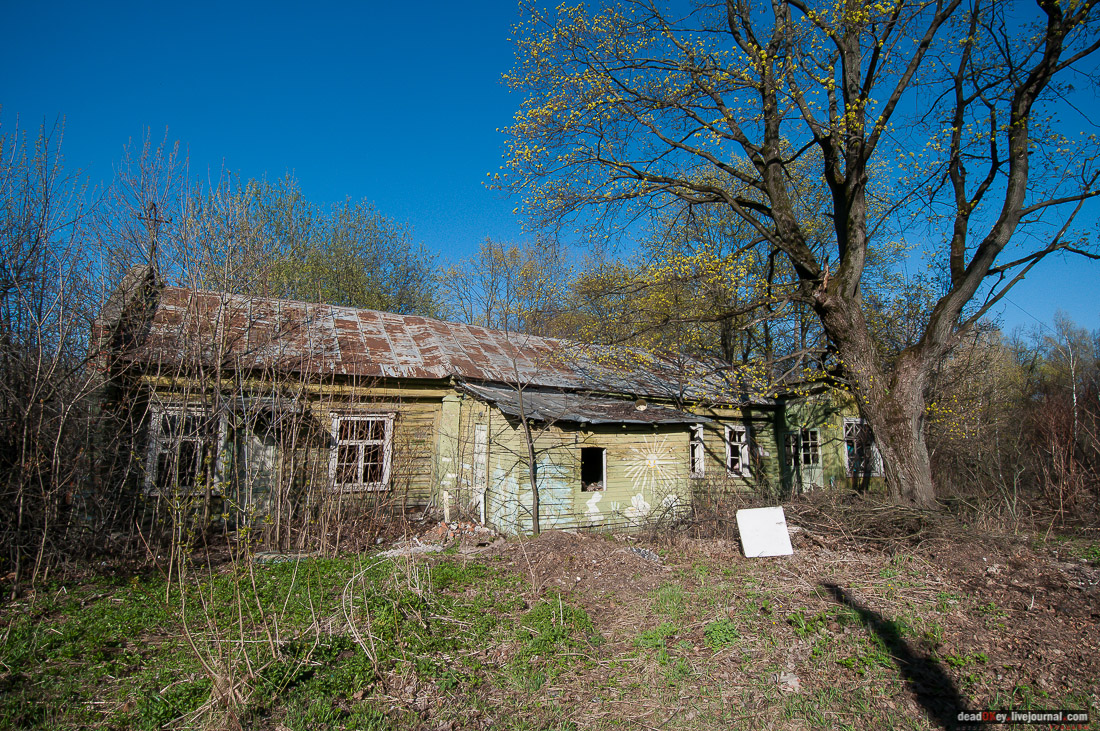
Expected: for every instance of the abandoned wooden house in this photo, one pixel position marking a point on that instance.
(264, 402)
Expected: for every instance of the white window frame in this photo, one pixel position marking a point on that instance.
(157, 441)
(742, 446)
(697, 453)
(876, 457)
(387, 418)
(794, 443)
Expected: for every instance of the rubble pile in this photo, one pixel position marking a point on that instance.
(465, 531)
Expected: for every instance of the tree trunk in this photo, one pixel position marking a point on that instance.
(893, 405)
(898, 425)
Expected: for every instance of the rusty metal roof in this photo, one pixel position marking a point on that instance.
(189, 327)
(577, 408)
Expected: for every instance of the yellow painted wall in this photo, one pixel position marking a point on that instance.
(417, 409)
(434, 458)
(646, 476)
(764, 475)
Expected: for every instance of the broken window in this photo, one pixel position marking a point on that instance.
(593, 468)
(861, 456)
(803, 448)
(737, 450)
(360, 458)
(696, 452)
(183, 449)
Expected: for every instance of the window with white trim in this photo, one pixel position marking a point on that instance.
(696, 452)
(361, 452)
(737, 450)
(183, 449)
(803, 448)
(861, 456)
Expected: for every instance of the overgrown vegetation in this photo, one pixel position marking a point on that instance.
(884, 639)
(1013, 423)
(198, 631)
(814, 142)
(304, 644)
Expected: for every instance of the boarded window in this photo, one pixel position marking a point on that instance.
(737, 450)
(696, 452)
(861, 456)
(361, 452)
(593, 468)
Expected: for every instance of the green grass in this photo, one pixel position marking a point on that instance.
(945, 600)
(654, 639)
(118, 650)
(552, 638)
(805, 625)
(962, 661)
(454, 639)
(668, 599)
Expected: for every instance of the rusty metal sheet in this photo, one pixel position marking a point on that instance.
(238, 331)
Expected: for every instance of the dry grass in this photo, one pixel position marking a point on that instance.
(879, 620)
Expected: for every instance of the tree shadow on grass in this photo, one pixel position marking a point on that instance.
(925, 677)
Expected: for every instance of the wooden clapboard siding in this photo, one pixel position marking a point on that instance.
(414, 429)
(765, 451)
(826, 412)
(455, 458)
(417, 408)
(646, 476)
(433, 460)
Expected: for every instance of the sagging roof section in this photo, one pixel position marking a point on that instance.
(189, 327)
(576, 408)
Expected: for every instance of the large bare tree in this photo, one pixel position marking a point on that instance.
(946, 122)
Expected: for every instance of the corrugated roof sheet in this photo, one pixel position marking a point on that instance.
(577, 408)
(242, 332)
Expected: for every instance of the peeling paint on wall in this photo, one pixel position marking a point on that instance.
(504, 505)
(651, 468)
(555, 492)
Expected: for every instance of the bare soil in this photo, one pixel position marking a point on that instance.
(917, 616)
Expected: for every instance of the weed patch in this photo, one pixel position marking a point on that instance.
(721, 633)
(655, 638)
(668, 599)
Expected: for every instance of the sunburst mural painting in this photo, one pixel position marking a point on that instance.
(650, 468)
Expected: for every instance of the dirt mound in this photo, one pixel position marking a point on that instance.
(567, 561)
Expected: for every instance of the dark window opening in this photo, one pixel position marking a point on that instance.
(861, 454)
(592, 468)
(184, 451)
(803, 448)
(347, 464)
(737, 449)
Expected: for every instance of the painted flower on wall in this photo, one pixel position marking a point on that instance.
(639, 508)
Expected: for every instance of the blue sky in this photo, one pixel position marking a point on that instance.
(397, 103)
